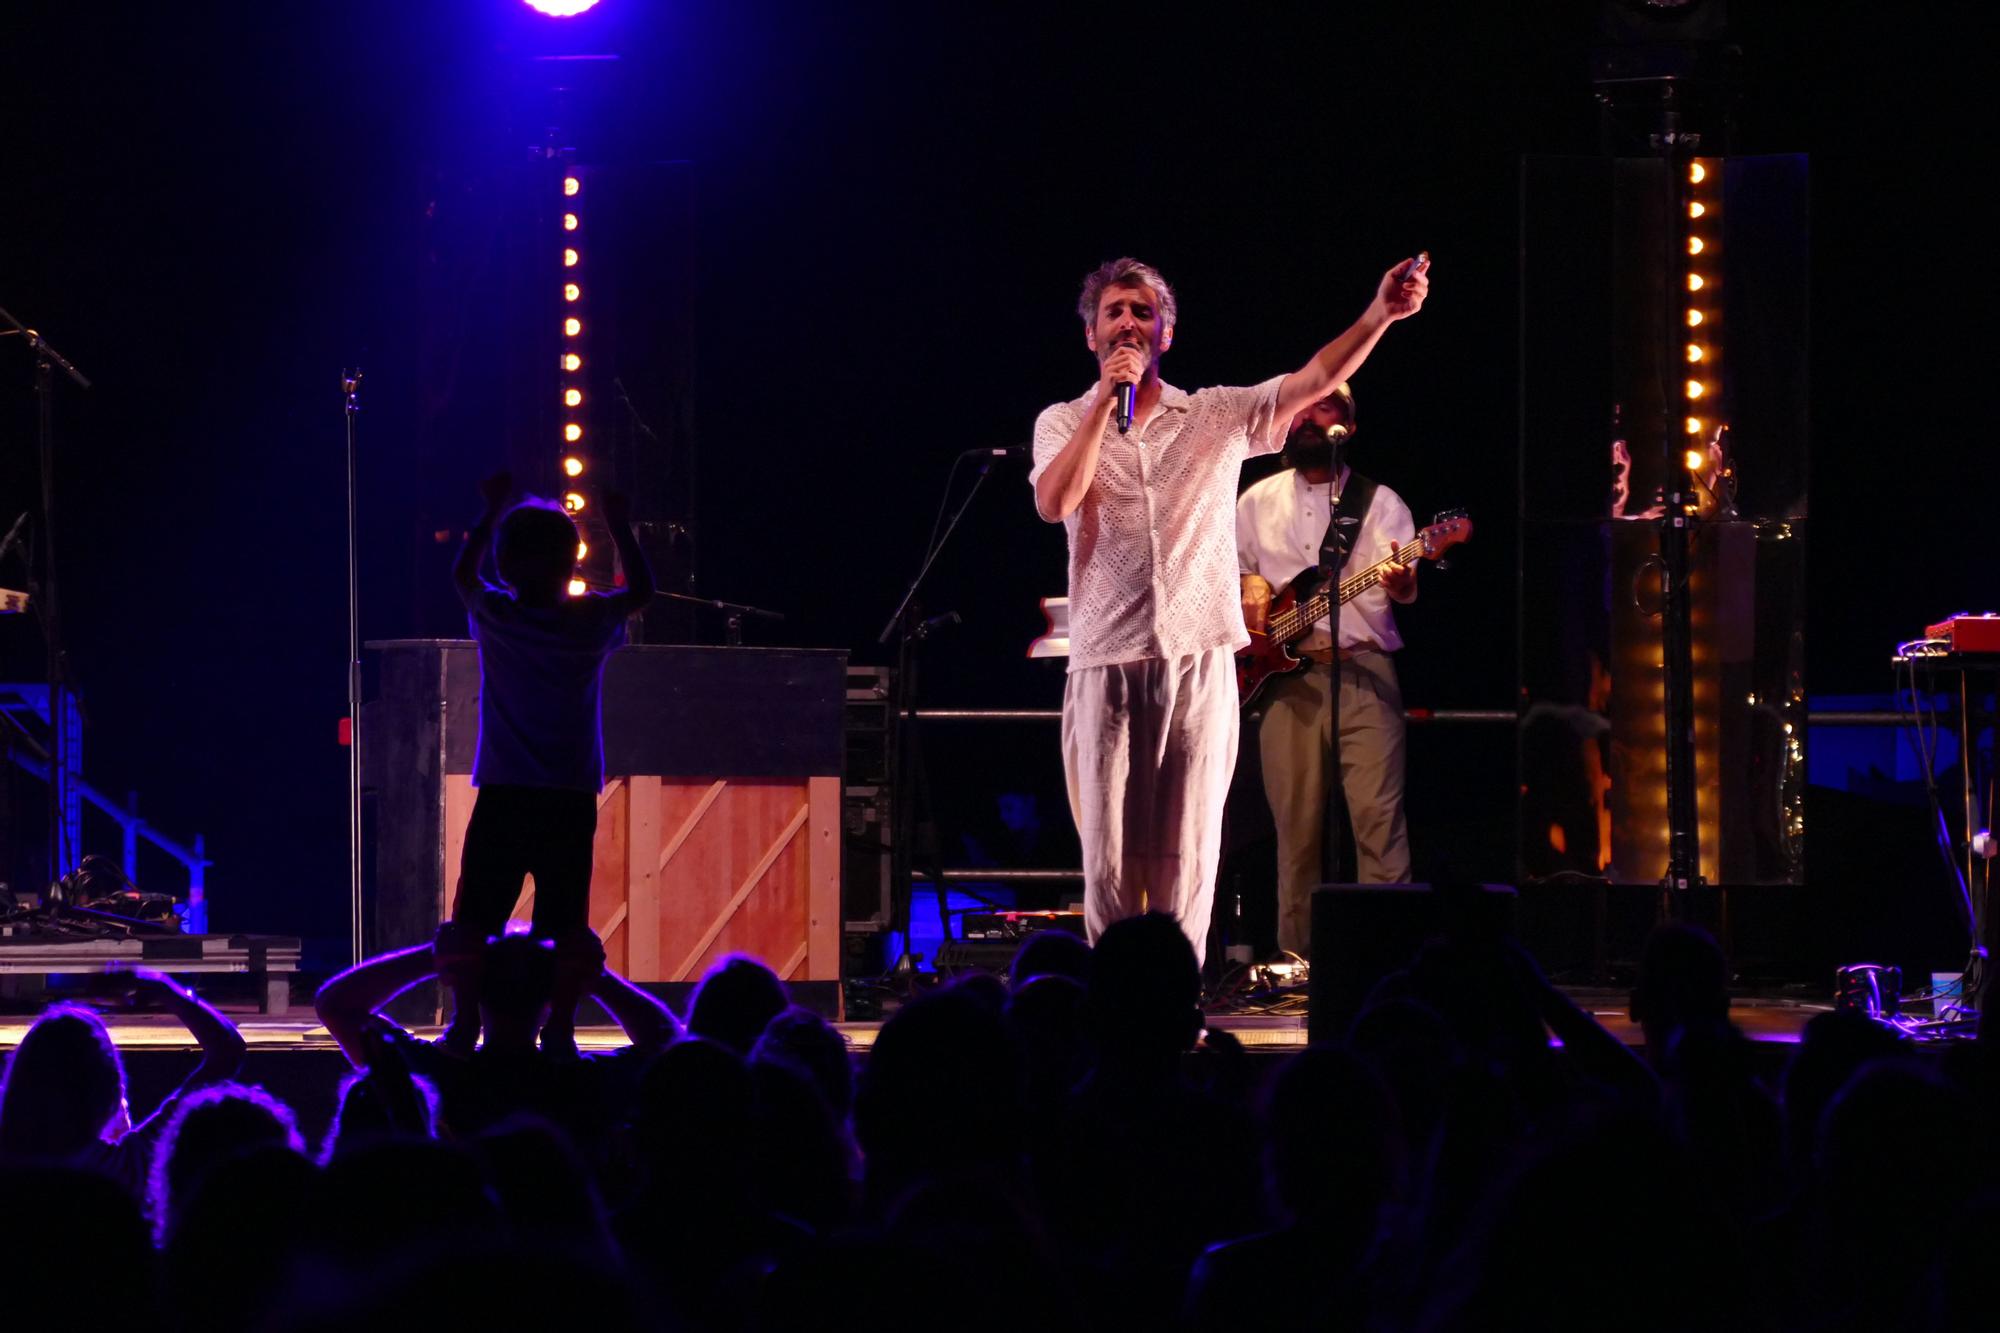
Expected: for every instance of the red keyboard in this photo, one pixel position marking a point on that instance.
(1968, 634)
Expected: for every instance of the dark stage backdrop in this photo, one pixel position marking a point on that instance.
(213, 208)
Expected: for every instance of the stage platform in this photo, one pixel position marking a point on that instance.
(31, 954)
(1775, 1020)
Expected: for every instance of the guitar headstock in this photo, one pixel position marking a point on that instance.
(1447, 530)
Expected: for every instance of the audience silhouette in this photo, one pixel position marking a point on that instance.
(1072, 1148)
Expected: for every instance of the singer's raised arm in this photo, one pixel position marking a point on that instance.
(1399, 295)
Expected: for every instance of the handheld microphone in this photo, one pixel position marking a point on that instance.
(1128, 397)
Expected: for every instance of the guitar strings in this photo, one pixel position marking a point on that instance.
(1291, 622)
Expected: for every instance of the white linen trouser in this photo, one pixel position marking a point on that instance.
(1148, 750)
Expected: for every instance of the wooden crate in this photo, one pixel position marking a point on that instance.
(688, 870)
(718, 829)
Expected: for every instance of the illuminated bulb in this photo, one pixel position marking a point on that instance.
(571, 291)
(1694, 282)
(572, 326)
(569, 222)
(1697, 173)
(1695, 388)
(572, 432)
(583, 549)
(1694, 352)
(573, 503)
(1694, 318)
(573, 467)
(571, 185)
(572, 397)
(571, 361)
(577, 587)
(1694, 425)
(1696, 460)
(1696, 210)
(569, 258)
(1695, 246)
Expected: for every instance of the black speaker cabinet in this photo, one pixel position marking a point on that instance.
(1363, 932)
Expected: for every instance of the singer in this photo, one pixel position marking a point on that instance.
(1149, 725)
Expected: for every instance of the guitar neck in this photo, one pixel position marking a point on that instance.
(1321, 602)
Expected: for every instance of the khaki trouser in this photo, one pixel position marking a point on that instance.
(1295, 742)
(1148, 749)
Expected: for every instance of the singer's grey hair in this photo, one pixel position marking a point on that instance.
(1119, 273)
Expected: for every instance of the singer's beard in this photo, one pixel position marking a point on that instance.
(1308, 448)
(1143, 351)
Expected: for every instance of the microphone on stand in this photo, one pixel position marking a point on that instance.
(1335, 437)
(1338, 528)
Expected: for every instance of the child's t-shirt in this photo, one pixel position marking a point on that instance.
(541, 671)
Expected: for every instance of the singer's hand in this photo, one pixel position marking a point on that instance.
(1399, 581)
(1403, 288)
(1125, 365)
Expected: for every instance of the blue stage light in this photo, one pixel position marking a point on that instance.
(561, 9)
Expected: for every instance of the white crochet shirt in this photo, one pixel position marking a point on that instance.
(1152, 548)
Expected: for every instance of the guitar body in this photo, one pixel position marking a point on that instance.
(1268, 658)
(1304, 603)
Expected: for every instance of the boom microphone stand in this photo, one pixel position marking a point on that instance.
(64, 804)
(908, 773)
(734, 613)
(682, 549)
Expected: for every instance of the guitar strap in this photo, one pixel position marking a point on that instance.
(1338, 543)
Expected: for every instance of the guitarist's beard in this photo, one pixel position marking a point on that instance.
(1309, 449)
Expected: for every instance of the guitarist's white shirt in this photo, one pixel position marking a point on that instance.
(1280, 523)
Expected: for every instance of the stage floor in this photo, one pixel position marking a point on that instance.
(1762, 1020)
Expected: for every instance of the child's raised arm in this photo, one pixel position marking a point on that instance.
(639, 587)
(496, 491)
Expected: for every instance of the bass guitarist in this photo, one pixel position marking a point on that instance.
(1281, 523)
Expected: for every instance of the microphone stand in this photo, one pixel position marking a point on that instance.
(65, 806)
(908, 775)
(682, 531)
(1333, 563)
(735, 613)
(350, 388)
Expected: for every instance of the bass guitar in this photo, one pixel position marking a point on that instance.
(1303, 604)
